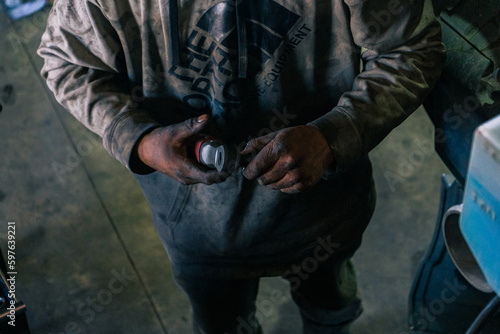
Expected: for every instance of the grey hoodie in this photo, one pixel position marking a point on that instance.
(124, 67)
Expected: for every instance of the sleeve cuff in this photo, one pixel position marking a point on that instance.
(121, 136)
(343, 136)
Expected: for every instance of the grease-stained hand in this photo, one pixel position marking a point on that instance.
(291, 160)
(166, 150)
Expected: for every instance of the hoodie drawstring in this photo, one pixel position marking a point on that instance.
(174, 31)
(242, 40)
(240, 27)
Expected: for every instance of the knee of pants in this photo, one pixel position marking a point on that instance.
(329, 296)
(222, 306)
(332, 287)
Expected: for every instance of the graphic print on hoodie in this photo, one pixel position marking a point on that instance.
(231, 38)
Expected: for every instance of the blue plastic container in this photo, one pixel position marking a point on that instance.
(480, 219)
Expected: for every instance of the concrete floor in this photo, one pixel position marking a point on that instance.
(88, 258)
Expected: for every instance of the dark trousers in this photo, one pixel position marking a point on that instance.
(197, 227)
(326, 296)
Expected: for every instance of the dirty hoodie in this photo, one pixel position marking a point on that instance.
(355, 69)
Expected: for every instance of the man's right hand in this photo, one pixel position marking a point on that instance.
(166, 150)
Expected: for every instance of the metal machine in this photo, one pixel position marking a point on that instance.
(472, 230)
(442, 299)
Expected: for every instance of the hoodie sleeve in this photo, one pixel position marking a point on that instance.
(85, 69)
(402, 54)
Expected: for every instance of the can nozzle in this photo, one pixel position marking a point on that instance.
(216, 154)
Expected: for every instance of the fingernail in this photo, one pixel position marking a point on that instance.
(260, 181)
(202, 118)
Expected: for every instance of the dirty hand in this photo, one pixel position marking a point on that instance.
(166, 150)
(292, 159)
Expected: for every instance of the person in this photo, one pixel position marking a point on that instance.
(282, 81)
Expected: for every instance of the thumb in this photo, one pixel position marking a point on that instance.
(191, 127)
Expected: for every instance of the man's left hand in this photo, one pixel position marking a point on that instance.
(291, 160)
